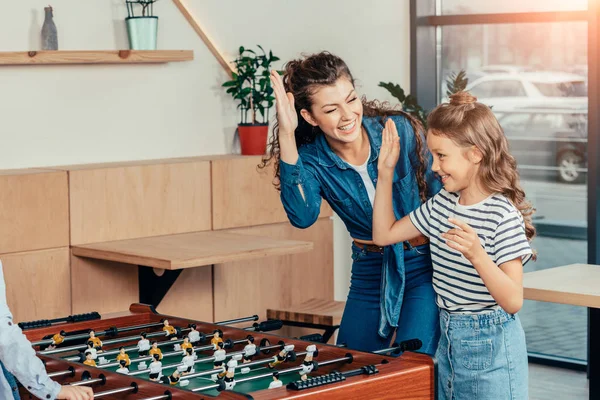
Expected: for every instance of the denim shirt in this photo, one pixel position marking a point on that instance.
(323, 174)
(19, 359)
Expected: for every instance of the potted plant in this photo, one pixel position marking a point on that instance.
(251, 86)
(142, 25)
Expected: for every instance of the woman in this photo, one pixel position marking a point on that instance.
(322, 147)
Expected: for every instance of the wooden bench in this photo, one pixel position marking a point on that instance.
(313, 313)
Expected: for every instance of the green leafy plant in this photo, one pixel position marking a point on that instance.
(455, 83)
(409, 102)
(251, 85)
(146, 5)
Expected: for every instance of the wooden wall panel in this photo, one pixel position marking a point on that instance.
(38, 284)
(247, 288)
(191, 295)
(35, 210)
(243, 195)
(102, 286)
(125, 202)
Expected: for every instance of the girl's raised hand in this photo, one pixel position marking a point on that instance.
(284, 102)
(390, 149)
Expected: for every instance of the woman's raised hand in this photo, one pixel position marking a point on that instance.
(286, 113)
(390, 149)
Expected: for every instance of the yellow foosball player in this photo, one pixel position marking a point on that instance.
(123, 356)
(217, 338)
(279, 358)
(155, 350)
(186, 345)
(97, 342)
(170, 331)
(57, 339)
(89, 360)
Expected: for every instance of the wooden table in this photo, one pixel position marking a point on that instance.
(578, 285)
(173, 253)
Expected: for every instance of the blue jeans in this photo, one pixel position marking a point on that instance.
(482, 357)
(419, 316)
(11, 381)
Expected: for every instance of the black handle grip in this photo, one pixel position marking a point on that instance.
(269, 325)
(315, 337)
(49, 322)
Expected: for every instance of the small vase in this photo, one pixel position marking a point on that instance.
(49, 33)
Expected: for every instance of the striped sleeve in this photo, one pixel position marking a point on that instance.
(510, 241)
(421, 216)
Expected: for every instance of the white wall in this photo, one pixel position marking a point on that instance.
(53, 115)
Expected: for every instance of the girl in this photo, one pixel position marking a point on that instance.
(325, 146)
(479, 227)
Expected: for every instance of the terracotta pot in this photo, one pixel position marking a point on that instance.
(253, 139)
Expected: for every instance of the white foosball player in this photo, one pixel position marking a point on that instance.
(276, 382)
(307, 365)
(188, 362)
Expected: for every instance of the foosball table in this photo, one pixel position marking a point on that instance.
(165, 357)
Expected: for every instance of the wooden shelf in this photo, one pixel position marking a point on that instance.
(189, 250)
(94, 57)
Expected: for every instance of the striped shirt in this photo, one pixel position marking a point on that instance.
(501, 231)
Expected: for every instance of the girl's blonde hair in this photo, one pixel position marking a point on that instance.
(469, 123)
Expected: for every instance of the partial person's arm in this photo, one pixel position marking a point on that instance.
(300, 190)
(20, 359)
(386, 229)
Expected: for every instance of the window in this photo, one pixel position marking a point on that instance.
(509, 6)
(534, 76)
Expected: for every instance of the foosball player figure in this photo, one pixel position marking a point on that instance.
(219, 356)
(91, 349)
(188, 361)
(172, 379)
(308, 365)
(88, 359)
(230, 374)
(170, 332)
(97, 342)
(155, 351)
(194, 335)
(57, 339)
(217, 338)
(186, 345)
(249, 349)
(123, 356)
(276, 382)
(155, 368)
(279, 358)
(143, 345)
(123, 369)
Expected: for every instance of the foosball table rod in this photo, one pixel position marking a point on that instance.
(108, 332)
(347, 359)
(113, 331)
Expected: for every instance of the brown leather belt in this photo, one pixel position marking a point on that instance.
(373, 248)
